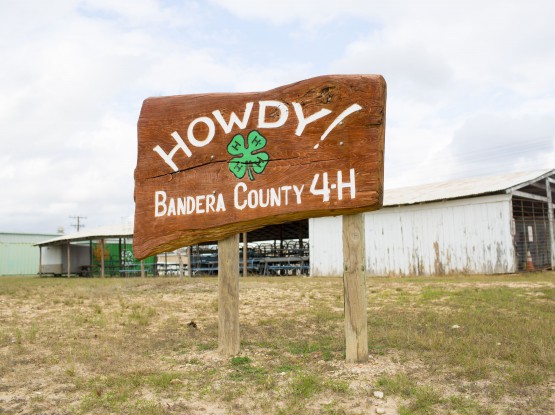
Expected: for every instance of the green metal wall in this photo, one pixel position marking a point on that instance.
(20, 256)
(112, 261)
(18, 253)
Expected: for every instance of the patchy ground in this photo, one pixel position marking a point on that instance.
(458, 345)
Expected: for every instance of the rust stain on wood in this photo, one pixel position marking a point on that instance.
(212, 165)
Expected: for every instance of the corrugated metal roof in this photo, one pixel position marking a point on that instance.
(457, 189)
(18, 237)
(118, 231)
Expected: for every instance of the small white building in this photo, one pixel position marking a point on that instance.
(497, 224)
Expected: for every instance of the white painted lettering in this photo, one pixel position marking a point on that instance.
(160, 201)
(171, 207)
(283, 114)
(234, 119)
(298, 193)
(210, 200)
(275, 197)
(286, 189)
(211, 132)
(252, 199)
(341, 117)
(348, 185)
(200, 200)
(181, 206)
(303, 122)
(187, 205)
(264, 203)
(168, 157)
(190, 205)
(221, 204)
(236, 196)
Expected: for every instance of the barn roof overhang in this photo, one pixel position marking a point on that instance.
(286, 231)
(530, 185)
(511, 183)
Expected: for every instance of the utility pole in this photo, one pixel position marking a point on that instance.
(78, 225)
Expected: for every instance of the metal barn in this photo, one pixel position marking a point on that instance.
(18, 254)
(489, 225)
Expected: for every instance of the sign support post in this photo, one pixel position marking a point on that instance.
(228, 296)
(354, 282)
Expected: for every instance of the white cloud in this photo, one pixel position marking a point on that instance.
(463, 77)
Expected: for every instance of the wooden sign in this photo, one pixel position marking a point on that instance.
(213, 165)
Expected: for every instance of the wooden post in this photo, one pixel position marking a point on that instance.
(180, 259)
(550, 222)
(354, 283)
(102, 271)
(189, 263)
(228, 296)
(244, 254)
(91, 256)
(142, 268)
(68, 260)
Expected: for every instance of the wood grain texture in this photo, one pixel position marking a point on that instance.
(354, 281)
(228, 296)
(295, 154)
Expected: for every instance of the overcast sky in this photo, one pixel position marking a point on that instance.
(471, 86)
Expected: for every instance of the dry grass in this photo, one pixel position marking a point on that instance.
(454, 345)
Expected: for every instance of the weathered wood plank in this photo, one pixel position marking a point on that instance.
(354, 280)
(213, 165)
(228, 296)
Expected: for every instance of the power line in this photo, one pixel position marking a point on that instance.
(78, 225)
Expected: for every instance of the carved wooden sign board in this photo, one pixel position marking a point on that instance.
(213, 165)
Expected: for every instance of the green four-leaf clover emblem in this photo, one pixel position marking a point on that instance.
(248, 157)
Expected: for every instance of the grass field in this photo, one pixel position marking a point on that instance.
(450, 345)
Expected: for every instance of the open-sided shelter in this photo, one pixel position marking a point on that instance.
(107, 250)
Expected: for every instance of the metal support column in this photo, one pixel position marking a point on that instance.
(550, 222)
(68, 259)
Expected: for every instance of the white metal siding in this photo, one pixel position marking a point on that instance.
(326, 246)
(52, 259)
(461, 236)
(80, 255)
